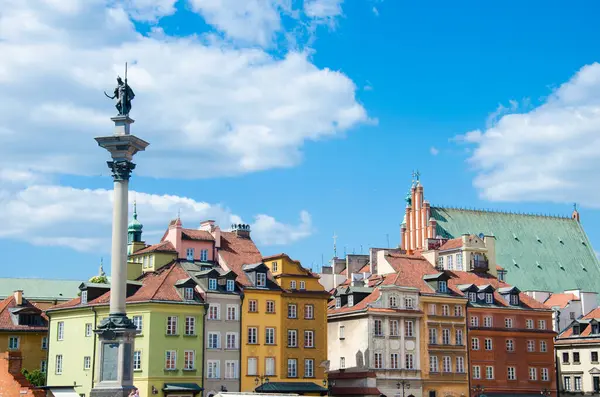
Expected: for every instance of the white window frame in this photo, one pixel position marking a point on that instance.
(189, 360)
(474, 343)
(43, 366)
(231, 369)
(189, 254)
(292, 371)
(252, 366)
(309, 368)
(445, 310)
(212, 284)
(213, 336)
(488, 321)
(510, 345)
(190, 326)
(60, 331)
(137, 360)
(188, 294)
(458, 311)
(138, 321)
(489, 298)
(543, 346)
(541, 324)
(270, 366)
(309, 339)
(14, 342)
(88, 330)
(533, 373)
(84, 297)
(58, 369)
(489, 372)
(458, 336)
(409, 328)
(214, 312)
(474, 321)
(170, 360)
(230, 285)
(172, 325)
(270, 336)
(252, 335)
(530, 346)
(292, 338)
(409, 361)
(232, 337)
(460, 365)
(508, 322)
(204, 255)
(341, 332)
(378, 360)
(45, 343)
(213, 369)
(446, 364)
(292, 311)
(394, 328)
(488, 344)
(261, 279)
(511, 373)
(309, 312)
(342, 362)
(476, 372)
(302, 285)
(545, 375)
(293, 284)
(395, 361)
(233, 313)
(87, 363)
(433, 364)
(529, 323)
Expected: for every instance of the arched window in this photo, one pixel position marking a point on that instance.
(393, 301)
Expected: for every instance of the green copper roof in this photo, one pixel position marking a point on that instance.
(134, 225)
(290, 387)
(37, 288)
(542, 253)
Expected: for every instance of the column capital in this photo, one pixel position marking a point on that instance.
(121, 170)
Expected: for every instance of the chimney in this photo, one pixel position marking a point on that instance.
(18, 297)
(241, 230)
(208, 226)
(15, 362)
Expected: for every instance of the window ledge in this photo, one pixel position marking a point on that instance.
(190, 336)
(170, 335)
(171, 370)
(137, 370)
(190, 370)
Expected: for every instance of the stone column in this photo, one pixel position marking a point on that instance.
(116, 332)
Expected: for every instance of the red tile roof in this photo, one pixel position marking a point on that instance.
(498, 267)
(164, 246)
(452, 244)
(195, 234)
(593, 314)
(236, 252)
(156, 286)
(6, 322)
(560, 300)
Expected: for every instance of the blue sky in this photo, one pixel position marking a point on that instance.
(495, 104)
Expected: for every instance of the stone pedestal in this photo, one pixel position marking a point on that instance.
(115, 363)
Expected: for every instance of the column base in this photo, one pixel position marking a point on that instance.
(116, 322)
(121, 391)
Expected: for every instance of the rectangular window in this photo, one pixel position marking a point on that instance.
(432, 336)
(542, 325)
(13, 343)
(302, 285)
(489, 298)
(474, 321)
(508, 322)
(450, 262)
(231, 340)
(170, 360)
(443, 286)
(545, 375)
(261, 279)
(252, 306)
(350, 300)
(529, 324)
(488, 344)
(87, 363)
(214, 340)
(137, 360)
(138, 322)
(394, 361)
(84, 295)
(476, 372)
(530, 345)
(543, 346)
(565, 358)
(214, 311)
(446, 336)
(342, 362)
(59, 364)
(488, 321)
(432, 308)
(489, 372)
(269, 336)
(433, 364)
(204, 255)
(189, 360)
(410, 361)
(232, 313)
(409, 328)
(472, 297)
(594, 357)
(309, 339)
(342, 332)
(188, 294)
(378, 328)
(212, 284)
(252, 366)
(43, 366)
(510, 345)
(189, 254)
(447, 364)
(293, 284)
(213, 369)
(190, 325)
(576, 358)
(459, 337)
(459, 261)
(60, 334)
(274, 267)
(88, 329)
(394, 328)
(44, 343)
(458, 311)
(309, 368)
(172, 325)
(338, 302)
(292, 368)
(532, 373)
(309, 312)
(511, 373)
(231, 369)
(292, 338)
(270, 366)
(252, 335)
(292, 311)
(474, 343)
(270, 307)
(460, 364)
(378, 360)
(230, 285)
(567, 383)
(409, 303)
(445, 310)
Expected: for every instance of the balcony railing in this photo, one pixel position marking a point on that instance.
(479, 265)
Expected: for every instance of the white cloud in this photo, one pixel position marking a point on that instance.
(269, 231)
(52, 215)
(207, 108)
(550, 153)
(323, 9)
(434, 151)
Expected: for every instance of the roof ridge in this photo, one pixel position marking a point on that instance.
(166, 275)
(473, 209)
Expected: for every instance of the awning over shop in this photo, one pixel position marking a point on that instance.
(183, 388)
(60, 391)
(292, 387)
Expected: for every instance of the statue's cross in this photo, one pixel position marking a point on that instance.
(416, 175)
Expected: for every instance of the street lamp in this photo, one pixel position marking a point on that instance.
(328, 385)
(478, 390)
(262, 379)
(404, 385)
(546, 392)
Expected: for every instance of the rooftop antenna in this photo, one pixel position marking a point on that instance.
(387, 236)
(335, 245)
(361, 249)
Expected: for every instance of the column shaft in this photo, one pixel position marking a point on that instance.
(118, 265)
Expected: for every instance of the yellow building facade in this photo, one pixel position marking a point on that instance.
(444, 352)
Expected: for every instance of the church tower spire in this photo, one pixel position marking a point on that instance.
(134, 233)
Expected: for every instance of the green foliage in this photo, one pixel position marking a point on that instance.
(99, 280)
(35, 377)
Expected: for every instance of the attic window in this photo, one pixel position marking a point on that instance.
(514, 299)
(594, 328)
(261, 279)
(472, 297)
(489, 298)
(393, 301)
(84, 297)
(338, 302)
(350, 300)
(576, 330)
(442, 286)
(188, 294)
(212, 284)
(230, 285)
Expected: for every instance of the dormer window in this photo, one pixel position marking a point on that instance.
(293, 284)
(261, 279)
(84, 297)
(188, 294)
(230, 285)
(212, 284)
(338, 302)
(350, 300)
(514, 299)
(594, 328)
(393, 301)
(442, 286)
(472, 297)
(274, 267)
(576, 330)
(302, 285)
(408, 303)
(489, 297)
(189, 253)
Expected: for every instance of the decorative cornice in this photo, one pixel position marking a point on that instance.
(121, 170)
